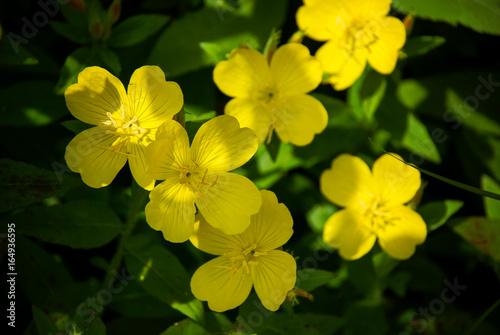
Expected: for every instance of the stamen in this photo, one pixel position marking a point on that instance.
(113, 122)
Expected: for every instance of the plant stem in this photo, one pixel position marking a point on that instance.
(484, 316)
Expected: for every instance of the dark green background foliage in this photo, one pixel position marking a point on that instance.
(82, 265)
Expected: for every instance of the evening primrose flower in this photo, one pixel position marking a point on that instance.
(246, 259)
(374, 202)
(126, 123)
(356, 31)
(197, 177)
(272, 96)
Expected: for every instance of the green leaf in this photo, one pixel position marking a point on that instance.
(420, 45)
(161, 274)
(310, 279)
(185, 327)
(22, 184)
(42, 108)
(367, 93)
(96, 327)
(317, 216)
(136, 29)
(15, 54)
(383, 264)
(79, 35)
(75, 63)
(111, 60)
(418, 140)
(79, 224)
(43, 323)
(482, 232)
(491, 206)
(436, 213)
(184, 47)
(76, 126)
(374, 320)
(480, 15)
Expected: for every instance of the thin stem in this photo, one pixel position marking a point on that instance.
(484, 316)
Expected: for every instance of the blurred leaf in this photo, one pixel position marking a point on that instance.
(420, 45)
(42, 108)
(482, 232)
(15, 54)
(203, 38)
(162, 275)
(96, 327)
(75, 63)
(418, 140)
(79, 224)
(362, 276)
(309, 279)
(76, 126)
(136, 29)
(317, 216)
(480, 15)
(398, 283)
(285, 158)
(485, 151)
(491, 206)
(365, 318)
(79, 35)
(383, 264)
(22, 184)
(186, 327)
(435, 214)
(110, 60)
(367, 93)
(43, 323)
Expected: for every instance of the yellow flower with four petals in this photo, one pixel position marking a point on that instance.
(126, 122)
(374, 202)
(272, 96)
(356, 32)
(198, 175)
(248, 259)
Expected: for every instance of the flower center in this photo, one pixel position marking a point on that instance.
(360, 35)
(198, 180)
(378, 217)
(244, 257)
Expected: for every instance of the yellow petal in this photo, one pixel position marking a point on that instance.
(152, 99)
(220, 283)
(273, 276)
(294, 70)
(171, 209)
(251, 114)
(369, 10)
(344, 65)
(385, 51)
(271, 227)
(243, 73)
(138, 164)
(397, 182)
(212, 240)
(349, 182)
(346, 230)
(221, 145)
(169, 152)
(321, 20)
(97, 92)
(301, 117)
(406, 230)
(230, 202)
(97, 155)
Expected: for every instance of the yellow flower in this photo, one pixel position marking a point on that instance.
(125, 123)
(357, 31)
(374, 202)
(246, 259)
(198, 175)
(273, 96)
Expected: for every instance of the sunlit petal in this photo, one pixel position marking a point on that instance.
(138, 164)
(251, 114)
(391, 36)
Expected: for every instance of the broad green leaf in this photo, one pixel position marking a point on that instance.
(42, 108)
(491, 206)
(161, 274)
(79, 224)
(200, 39)
(418, 140)
(420, 45)
(362, 275)
(96, 327)
(73, 33)
(317, 216)
(76, 126)
(480, 15)
(110, 59)
(367, 93)
(185, 327)
(43, 323)
(22, 184)
(482, 232)
(136, 29)
(309, 279)
(436, 213)
(13, 53)
(75, 63)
